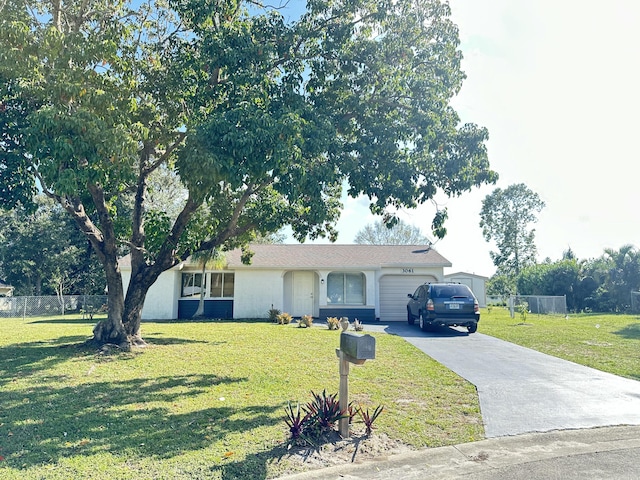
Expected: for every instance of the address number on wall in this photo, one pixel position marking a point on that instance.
(407, 270)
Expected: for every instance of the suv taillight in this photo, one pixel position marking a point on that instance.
(476, 307)
(430, 305)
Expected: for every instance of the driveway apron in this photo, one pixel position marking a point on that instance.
(522, 390)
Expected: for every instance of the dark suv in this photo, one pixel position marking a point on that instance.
(443, 304)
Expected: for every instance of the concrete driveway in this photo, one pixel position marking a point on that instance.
(522, 390)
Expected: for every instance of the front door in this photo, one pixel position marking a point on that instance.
(303, 300)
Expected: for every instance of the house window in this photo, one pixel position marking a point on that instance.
(191, 284)
(221, 284)
(346, 288)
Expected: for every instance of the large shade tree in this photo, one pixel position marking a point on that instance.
(264, 115)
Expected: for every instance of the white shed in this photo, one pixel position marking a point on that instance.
(477, 284)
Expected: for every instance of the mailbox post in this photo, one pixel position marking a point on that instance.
(354, 348)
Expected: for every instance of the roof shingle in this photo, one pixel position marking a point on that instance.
(333, 256)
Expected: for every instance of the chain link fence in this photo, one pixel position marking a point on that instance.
(52, 305)
(541, 304)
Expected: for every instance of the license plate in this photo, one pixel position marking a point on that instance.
(454, 306)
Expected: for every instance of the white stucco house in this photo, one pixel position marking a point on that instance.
(477, 284)
(368, 282)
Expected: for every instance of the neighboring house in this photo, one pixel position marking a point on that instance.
(5, 290)
(476, 283)
(368, 282)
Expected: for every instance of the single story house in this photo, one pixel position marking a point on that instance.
(477, 284)
(368, 282)
(5, 290)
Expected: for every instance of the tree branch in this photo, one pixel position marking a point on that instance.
(163, 158)
(232, 229)
(76, 209)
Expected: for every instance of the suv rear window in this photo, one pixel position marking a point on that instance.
(450, 291)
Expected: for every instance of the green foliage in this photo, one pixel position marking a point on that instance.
(501, 285)
(523, 310)
(505, 218)
(557, 278)
(41, 253)
(306, 321)
(603, 284)
(284, 318)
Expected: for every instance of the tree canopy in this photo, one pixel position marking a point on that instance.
(602, 284)
(41, 253)
(401, 233)
(262, 120)
(506, 217)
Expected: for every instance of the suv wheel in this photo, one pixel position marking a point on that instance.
(410, 318)
(472, 328)
(424, 325)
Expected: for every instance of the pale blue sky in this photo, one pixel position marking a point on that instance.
(556, 83)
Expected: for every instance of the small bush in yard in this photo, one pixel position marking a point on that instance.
(523, 309)
(305, 321)
(333, 323)
(357, 326)
(273, 314)
(284, 318)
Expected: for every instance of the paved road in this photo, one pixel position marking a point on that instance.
(522, 390)
(599, 453)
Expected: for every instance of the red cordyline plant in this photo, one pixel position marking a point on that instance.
(295, 420)
(368, 418)
(317, 417)
(324, 410)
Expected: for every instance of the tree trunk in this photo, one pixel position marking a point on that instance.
(111, 330)
(132, 317)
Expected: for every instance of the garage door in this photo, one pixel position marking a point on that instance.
(393, 295)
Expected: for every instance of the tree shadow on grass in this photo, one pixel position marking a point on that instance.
(631, 332)
(66, 320)
(52, 421)
(160, 340)
(254, 467)
(47, 419)
(23, 359)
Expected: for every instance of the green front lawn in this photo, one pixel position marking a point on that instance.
(204, 400)
(610, 343)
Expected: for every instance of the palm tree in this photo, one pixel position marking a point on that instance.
(213, 259)
(623, 274)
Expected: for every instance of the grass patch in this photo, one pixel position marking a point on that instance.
(204, 400)
(610, 343)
